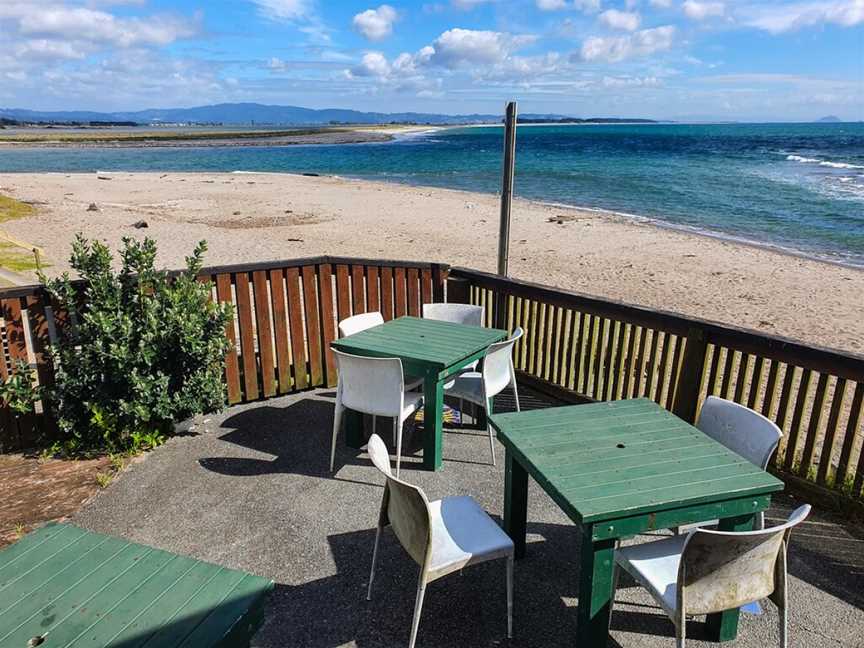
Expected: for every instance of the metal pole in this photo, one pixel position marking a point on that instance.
(507, 187)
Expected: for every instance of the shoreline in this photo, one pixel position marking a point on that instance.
(253, 217)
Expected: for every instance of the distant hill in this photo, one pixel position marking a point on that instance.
(261, 115)
(830, 119)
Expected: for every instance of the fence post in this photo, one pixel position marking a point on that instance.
(458, 290)
(690, 377)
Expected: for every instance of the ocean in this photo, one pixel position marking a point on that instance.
(799, 187)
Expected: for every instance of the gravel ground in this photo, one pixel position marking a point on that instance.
(253, 492)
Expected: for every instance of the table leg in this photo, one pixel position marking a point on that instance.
(723, 626)
(595, 590)
(354, 437)
(433, 406)
(515, 503)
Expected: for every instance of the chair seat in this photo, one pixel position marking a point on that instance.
(655, 566)
(468, 386)
(464, 534)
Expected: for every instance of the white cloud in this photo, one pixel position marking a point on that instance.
(619, 48)
(284, 10)
(625, 20)
(661, 4)
(551, 5)
(373, 64)
(376, 24)
(630, 82)
(588, 6)
(702, 10)
(88, 26)
(777, 19)
(457, 46)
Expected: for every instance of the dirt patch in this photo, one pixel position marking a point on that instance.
(260, 222)
(36, 491)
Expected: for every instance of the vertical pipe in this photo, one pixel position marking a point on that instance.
(507, 187)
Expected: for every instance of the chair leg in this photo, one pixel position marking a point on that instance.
(397, 434)
(680, 629)
(516, 392)
(784, 626)
(374, 420)
(510, 596)
(337, 421)
(489, 406)
(374, 560)
(418, 608)
(760, 521)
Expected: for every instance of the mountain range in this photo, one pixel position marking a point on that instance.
(260, 114)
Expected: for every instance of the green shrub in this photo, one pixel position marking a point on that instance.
(19, 391)
(144, 350)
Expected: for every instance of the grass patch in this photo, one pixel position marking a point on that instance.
(14, 258)
(10, 209)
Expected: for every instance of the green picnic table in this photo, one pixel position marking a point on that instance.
(64, 586)
(618, 469)
(431, 349)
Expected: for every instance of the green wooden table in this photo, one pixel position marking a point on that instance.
(618, 469)
(64, 586)
(430, 349)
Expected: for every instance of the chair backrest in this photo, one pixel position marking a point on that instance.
(405, 506)
(370, 385)
(458, 313)
(357, 323)
(498, 364)
(740, 429)
(722, 570)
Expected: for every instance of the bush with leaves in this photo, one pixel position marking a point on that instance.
(144, 349)
(19, 391)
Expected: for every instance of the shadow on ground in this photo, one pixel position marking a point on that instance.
(256, 493)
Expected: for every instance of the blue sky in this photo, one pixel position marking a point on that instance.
(674, 59)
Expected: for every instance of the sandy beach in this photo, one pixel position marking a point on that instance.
(249, 217)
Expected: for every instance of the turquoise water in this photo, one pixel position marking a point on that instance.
(797, 186)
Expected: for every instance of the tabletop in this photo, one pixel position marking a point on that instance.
(608, 460)
(65, 586)
(432, 342)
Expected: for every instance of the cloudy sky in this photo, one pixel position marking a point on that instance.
(697, 59)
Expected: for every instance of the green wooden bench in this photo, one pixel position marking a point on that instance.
(65, 586)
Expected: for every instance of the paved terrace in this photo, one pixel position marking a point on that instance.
(253, 492)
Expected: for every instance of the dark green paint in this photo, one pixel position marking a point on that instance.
(76, 588)
(667, 474)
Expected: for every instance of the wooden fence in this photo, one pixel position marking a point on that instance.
(606, 350)
(286, 314)
(285, 318)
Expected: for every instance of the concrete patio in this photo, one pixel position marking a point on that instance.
(254, 492)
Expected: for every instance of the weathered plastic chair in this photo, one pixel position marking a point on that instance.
(361, 322)
(481, 387)
(441, 536)
(373, 386)
(709, 571)
(466, 314)
(744, 432)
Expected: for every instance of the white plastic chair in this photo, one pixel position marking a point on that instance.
(466, 314)
(481, 387)
(441, 536)
(373, 386)
(361, 322)
(744, 432)
(709, 571)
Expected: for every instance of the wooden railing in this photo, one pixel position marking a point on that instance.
(285, 318)
(604, 350)
(590, 348)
